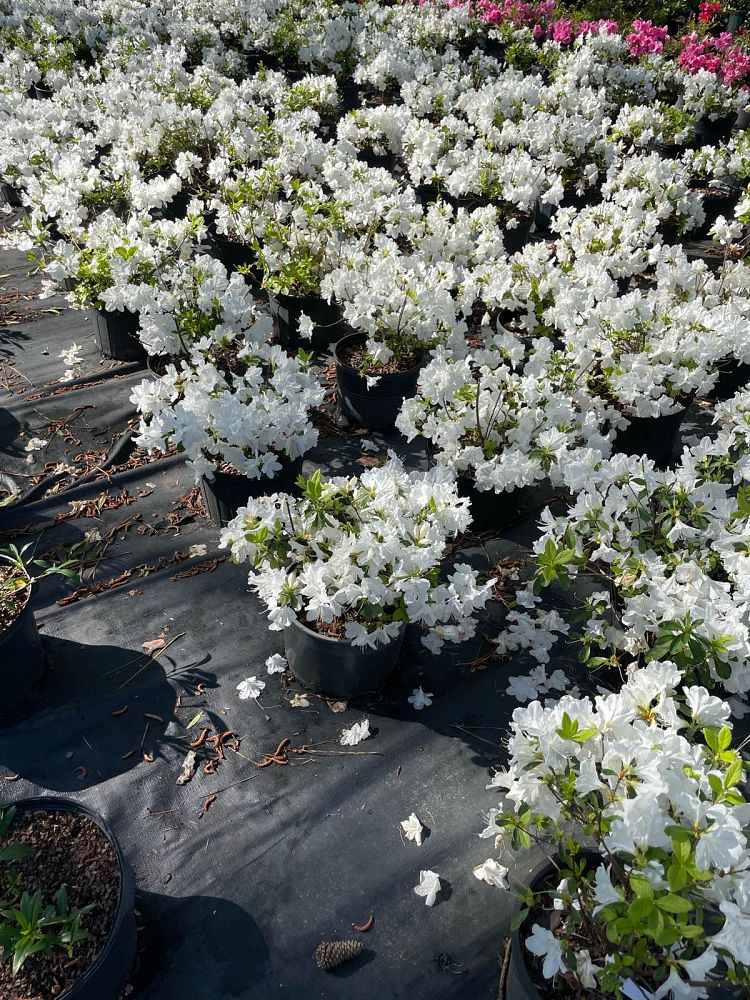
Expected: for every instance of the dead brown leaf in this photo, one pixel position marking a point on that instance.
(188, 768)
(207, 804)
(154, 645)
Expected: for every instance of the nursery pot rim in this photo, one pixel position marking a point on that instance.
(314, 297)
(350, 338)
(343, 641)
(52, 804)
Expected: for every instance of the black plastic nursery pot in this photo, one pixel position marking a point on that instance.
(235, 255)
(516, 239)
(228, 491)
(428, 193)
(652, 437)
(286, 311)
(519, 985)
(716, 203)
(11, 196)
(710, 132)
(735, 20)
(733, 376)
(107, 977)
(385, 161)
(491, 511)
(21, 662)
(117, 335)
(232, 254)
(375, 408)
(334, 666)
(351, 96)
(177, 207)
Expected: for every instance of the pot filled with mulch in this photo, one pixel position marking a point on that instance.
(524, 979)
(375, 406)
(67, 924)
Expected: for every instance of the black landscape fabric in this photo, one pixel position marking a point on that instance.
(243, 871)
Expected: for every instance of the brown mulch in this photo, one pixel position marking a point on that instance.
(355, 357)
(332, 630)
(67, 850)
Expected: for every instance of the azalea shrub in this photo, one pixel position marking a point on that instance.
(248, 420)
(362, 555)
(653, 901)
(541, 215)
(662, 555)
(503, 428)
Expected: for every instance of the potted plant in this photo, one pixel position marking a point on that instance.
(346, 566)
(635, 798)
(67, 923)
(656, 555)
(243, 429)
(20, 643)
(500, 431)
(374, 134)
(647, 182)
(399, 307)
(194, 307)
(114, 263)
(238, 209)
(294, 258)
(648, 354)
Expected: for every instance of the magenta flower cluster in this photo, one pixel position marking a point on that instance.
(718, 55)
(646, 39)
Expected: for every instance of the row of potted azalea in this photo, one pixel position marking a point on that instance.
(494, 228)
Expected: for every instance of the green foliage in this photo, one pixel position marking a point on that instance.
(31, 927)
(27, 926)
(20, 579)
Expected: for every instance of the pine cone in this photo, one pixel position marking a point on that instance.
(329, 954)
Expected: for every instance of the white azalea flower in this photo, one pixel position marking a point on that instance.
(492, 873)
(412, 829)
(586, 969)
(543, 943)
(276, 664)
(250, 688)
(355, 734)
(420, 699)
(429, 886)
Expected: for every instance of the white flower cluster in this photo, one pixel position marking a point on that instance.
(553, 230)
(668, 552)
(363, 552)
(670, 827)
(505, 429)
(249, 419)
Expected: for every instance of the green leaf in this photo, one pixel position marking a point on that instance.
(641, 886)
(674, 904)
(677, 877)
(518, 920)
(733, 775)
